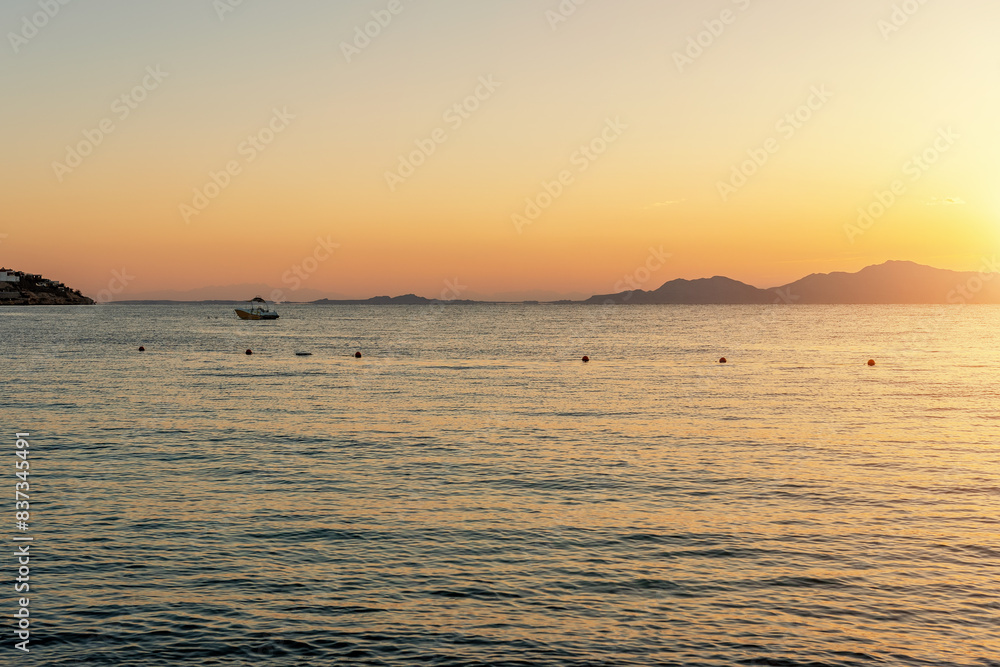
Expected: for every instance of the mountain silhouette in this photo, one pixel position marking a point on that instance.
(894, 282)
(717, 290)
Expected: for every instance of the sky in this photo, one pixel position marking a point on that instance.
(468, 149)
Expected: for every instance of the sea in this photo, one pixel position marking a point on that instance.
(470, 492)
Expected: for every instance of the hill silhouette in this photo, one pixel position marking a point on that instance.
(717, 290)
(897, 282)
(894, 282)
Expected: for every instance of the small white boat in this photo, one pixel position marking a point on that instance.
(257, 309)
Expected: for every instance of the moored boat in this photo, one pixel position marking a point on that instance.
(257, 309)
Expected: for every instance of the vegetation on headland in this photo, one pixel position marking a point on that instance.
(18, 288)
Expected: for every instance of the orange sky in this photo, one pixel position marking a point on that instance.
(624, 133)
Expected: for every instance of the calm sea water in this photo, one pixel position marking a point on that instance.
(470, 493)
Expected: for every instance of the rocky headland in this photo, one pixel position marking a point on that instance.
(18, 288)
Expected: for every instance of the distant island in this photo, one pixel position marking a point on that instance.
(18, 288)
(894, 282)
(405, 300)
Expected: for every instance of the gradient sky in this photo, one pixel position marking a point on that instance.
(682, 130)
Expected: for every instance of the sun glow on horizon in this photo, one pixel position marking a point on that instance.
(495, 143)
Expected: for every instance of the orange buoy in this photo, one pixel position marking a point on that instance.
(142, 349)
(586, 358)
(249, 352)
(871, 362)
(723, 360)
(357, 355)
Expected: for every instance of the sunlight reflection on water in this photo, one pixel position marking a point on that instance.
(470, 493)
